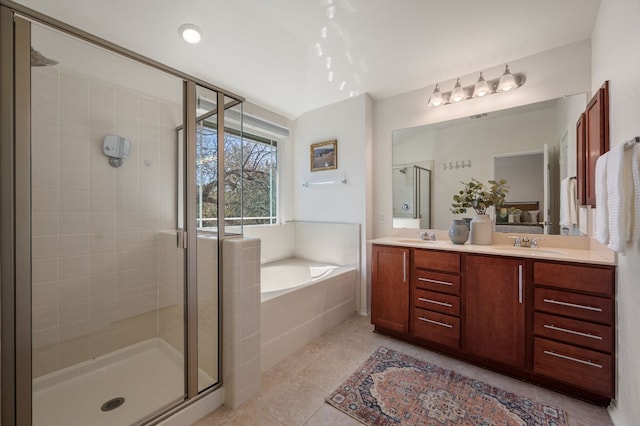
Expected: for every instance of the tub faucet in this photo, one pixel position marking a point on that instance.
(424, 235)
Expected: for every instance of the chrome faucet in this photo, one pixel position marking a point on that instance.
(525, 242)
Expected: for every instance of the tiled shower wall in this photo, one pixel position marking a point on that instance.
(95, 227)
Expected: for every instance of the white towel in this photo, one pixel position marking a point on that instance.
(635, 173)
(601, 219)
(568, 207)
(617, 199)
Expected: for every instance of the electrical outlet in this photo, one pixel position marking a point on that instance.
(383, 218)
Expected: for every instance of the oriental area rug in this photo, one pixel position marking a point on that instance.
(395, 389)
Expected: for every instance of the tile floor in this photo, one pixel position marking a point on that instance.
(293, 391)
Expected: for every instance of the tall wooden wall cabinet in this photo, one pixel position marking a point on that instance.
(592, 136)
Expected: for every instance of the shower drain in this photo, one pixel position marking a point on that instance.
(112, 404)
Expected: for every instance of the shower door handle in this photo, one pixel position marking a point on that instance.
(181, 240)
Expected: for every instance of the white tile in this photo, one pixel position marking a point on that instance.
(102, 222)
(104, 120)
(74, 201)
(44, 247)
(127, 103)
(43, 270)
(74, 157)
(73, 134)
(101, 284)
(44, 131)
(45, 84)
(73, 311)
(74, 223)
(102, 263)
(46, 178)
(73, 330)
(44, 108)
(73, 289)
(103, 181)
(102, 242)
(73, 267)
(44, 294)
(149, 110)
(44, 224)
(74, 88)
(74, 179)
(102, 201)
(44, 200)
(71, 113)
(102, 96)
(44, 317)
(44, 338)
(44, 154)
(73, 245)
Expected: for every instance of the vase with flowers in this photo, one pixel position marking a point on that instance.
(480, 197)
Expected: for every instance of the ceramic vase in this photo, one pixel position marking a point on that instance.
(481, 230)
(458, 232)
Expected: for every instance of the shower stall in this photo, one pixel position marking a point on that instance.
(110, 293)
(411, 197)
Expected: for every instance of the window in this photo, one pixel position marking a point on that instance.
(250, 178)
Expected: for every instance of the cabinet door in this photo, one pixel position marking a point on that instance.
(495, 309)
(597, 138)
(390, 288)
(581, 150)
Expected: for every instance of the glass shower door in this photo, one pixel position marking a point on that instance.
(108, 279)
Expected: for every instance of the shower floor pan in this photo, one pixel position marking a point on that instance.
(148, 375)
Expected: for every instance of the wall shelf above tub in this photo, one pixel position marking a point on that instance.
(326, 182)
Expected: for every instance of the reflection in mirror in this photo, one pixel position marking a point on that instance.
(508, 143)
(411, 196)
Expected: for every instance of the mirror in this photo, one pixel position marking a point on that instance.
(532, 146)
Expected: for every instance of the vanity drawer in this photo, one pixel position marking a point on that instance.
(435, 327)
(589, 335)
(445, 283)
(444, 303)
(438, 260)
(581, 367)
(580, 306)
(573, 277)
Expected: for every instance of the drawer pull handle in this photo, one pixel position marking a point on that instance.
(441, 324)
(448, 305)
(573, 305)
(577, 333)
(404, 267)
(429, 280)
(570, 358)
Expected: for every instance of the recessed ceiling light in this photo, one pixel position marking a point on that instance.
(190, 33)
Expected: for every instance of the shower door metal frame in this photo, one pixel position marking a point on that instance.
(15, 225)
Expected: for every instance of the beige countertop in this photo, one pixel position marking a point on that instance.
(566, 254)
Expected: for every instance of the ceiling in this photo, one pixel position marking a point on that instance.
(269, 51)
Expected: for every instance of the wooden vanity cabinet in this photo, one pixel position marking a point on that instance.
(574, 325)
(435, 297)
(548, 322)
(592, 141)
(390, 288)
(495, 309)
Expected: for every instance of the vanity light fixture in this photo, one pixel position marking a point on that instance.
(507, 81)
(457, 94)
(436, 98)
(482, 87)
(190, 33)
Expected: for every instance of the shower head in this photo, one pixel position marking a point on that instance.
(39, 60)
(403, 170)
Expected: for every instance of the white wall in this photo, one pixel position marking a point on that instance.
(551, 74)
(349, 122)
(616, 57)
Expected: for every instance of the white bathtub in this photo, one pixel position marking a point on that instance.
(301, 300)
(287, 275)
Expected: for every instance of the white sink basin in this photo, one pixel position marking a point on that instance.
(521, 250)
(419, 241)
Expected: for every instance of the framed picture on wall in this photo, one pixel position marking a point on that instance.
(324, 155)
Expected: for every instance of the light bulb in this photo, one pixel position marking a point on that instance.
(457, 94)
(481, 88)
(436, 98)
(190, 33)
(507, 81)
